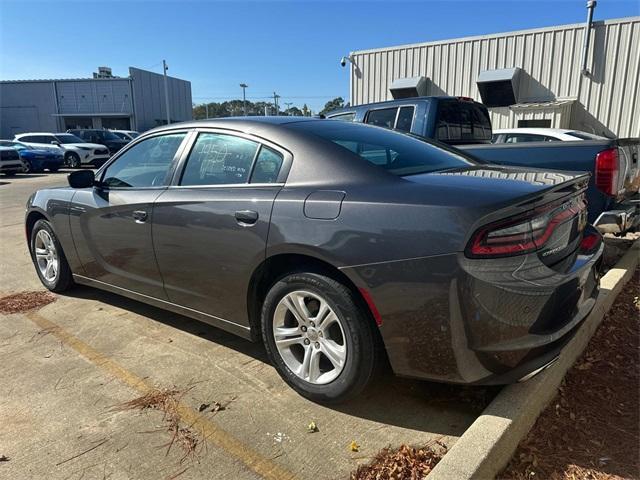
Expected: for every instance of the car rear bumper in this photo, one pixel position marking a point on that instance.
(622, 218)
(458, 320)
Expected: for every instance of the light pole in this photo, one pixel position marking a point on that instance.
(166, 90)
(244, 98)
(275, 102)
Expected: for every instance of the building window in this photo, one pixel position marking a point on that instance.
(544, 123)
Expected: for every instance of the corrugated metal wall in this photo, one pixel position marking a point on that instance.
(608, 100)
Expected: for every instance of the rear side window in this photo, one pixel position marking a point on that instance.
(218, 159)
(267, 166)
(459, 122)
(405, 119)
(527, 137)
(347, 117)
(384, 117)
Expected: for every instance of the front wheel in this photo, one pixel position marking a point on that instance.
(49, 259)
(73, 160)
(319, 339)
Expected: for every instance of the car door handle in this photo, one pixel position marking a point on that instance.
(246, 217)
(140, 216)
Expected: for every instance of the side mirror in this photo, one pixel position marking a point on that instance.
(81, 179)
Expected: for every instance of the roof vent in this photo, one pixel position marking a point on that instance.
(409, 87)
(499, 88)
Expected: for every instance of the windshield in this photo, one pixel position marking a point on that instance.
(68, 138)
(121, 135)
(397, 153)
(110, 136)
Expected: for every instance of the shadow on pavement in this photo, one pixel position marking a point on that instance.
(390, 400)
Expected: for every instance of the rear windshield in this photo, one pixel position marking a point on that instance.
(462, 122)
(397, 153)
(584, 136)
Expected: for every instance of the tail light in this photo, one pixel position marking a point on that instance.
(607, 167)
(523, 233)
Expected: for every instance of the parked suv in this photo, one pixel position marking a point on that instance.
(102, 137)
(10, 162)
(76, 151)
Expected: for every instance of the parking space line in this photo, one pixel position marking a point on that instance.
(211, 432)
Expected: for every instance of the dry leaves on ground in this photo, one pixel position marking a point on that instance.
(405, 463)
(591, 430)
(25, 301)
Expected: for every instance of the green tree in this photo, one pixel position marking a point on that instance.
(337, 102)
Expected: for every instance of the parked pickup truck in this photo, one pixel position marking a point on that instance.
(614, 203)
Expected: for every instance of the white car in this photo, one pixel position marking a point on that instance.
(77, 152)
(519, 135)
(126, 134)
(10, 162)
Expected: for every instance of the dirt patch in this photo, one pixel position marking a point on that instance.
(167, 401)
(591, 429)
(25, 301)
(404, 463)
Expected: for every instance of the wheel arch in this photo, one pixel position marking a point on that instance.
(279, 265)
(32, 217)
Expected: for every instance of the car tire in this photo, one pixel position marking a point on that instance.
(73, 160)
(348, 337)
(45, 249)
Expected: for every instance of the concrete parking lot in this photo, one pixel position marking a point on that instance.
(66, 368)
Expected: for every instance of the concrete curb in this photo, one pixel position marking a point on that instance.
(489, 443)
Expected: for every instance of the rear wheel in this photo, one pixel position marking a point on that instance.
(73, 160)
(49, 259)
(319, 340)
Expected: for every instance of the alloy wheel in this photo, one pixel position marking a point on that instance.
(309, 337)
(46, 256)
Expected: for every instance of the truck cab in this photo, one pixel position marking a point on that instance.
(451, 120)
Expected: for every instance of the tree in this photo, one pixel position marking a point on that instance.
(337, 102)
(293, 112)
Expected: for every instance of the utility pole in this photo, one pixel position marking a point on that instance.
(166, 90)
(288, 104)
(244, 98)
(206, 108)
(275, 102)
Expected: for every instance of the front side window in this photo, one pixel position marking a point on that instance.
(384, 117)
(66, 138)
(146, 164)
(219, 159)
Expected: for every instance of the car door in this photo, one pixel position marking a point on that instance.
(210, 227)
(111, 222)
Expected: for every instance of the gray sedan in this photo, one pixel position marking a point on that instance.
(335, 244)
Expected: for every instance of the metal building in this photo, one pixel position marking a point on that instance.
(541, 68)
(136, 102)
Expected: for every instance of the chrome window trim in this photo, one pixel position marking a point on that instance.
(287, 159)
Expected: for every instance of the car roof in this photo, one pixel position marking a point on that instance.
(399, 102)
(34, 133)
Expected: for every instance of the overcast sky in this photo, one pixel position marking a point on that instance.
(292, 47)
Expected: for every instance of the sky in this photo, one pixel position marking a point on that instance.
(290, 47)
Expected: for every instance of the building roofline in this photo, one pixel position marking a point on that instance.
(496, 35)
(87, 79)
